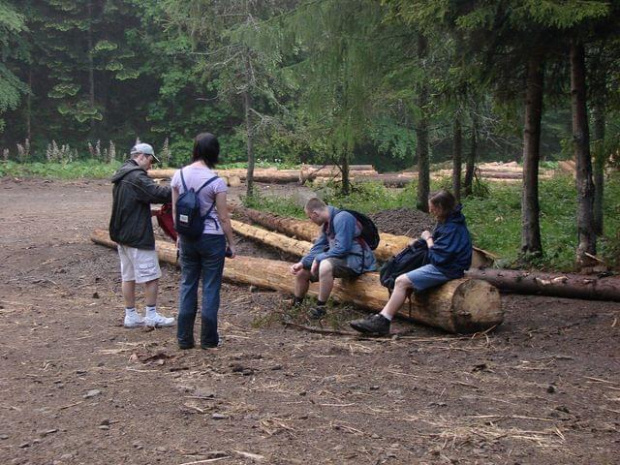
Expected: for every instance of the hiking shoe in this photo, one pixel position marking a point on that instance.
(158, 321)
(318, 312)
(133, 320)
(374, 324)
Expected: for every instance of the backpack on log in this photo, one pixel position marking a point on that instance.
(408, 259)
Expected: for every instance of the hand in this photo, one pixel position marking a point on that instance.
(231, 252)
(314, 270)
(426, 235)
(296, 268)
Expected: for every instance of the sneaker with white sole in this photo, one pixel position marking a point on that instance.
(133, 320)
(158, 321)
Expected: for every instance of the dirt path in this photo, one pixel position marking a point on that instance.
(77, 388)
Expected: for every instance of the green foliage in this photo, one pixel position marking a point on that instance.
(90, 169)
(275, 204)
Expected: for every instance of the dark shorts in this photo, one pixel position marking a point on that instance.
(341, 270)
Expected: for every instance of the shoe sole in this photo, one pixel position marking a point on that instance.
(136, 325)
(159, 325)
(366, 331)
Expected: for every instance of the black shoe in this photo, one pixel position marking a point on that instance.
(318, 312)
(374, 324)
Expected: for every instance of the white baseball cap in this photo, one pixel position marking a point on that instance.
(145, 149)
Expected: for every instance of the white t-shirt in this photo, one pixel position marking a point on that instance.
(195, 177)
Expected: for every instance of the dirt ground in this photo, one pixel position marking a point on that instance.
(78, 388)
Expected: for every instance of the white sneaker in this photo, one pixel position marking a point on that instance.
(158, 321)
(133, 320)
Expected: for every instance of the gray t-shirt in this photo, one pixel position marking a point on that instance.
(196, 177)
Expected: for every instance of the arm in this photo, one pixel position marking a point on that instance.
(344, 229)
(427, 237)
(148, 191)
(222, 211)
(317, 248)
(445, 248)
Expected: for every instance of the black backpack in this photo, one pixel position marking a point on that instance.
(408, 259)
(370, 233)
(189, 222)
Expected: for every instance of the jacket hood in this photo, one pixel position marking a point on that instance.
(456, 216)
(128, 167)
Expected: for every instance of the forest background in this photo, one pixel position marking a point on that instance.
(391, 83)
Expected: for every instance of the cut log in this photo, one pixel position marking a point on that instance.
(287, 244)
(573, 286)
(459, 306)
(267, 175)
(389, 246)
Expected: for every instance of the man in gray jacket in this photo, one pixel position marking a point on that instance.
(132, 229)
(339, 252)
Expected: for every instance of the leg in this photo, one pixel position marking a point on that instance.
(402, 287)
(188, 294)
(128, 289)
(419, 279)
(326, 280)
(212, 264)
(302, 283)
(150, 292)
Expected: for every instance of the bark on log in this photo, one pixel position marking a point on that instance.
(572, 286)
(278, 241)
(389, 246)
(268, 175)
(459, 306)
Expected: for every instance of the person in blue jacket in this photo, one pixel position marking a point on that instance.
(339, 252)
(449, 251)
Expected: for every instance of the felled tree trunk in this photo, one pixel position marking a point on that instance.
(279, 241)
(459, 306)
(389, 246)
(573, 286)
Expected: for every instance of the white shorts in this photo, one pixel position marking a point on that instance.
(138, 265)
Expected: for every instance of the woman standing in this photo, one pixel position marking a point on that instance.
(449, 252)
(203, 257)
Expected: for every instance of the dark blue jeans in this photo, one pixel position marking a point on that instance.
(202, 258)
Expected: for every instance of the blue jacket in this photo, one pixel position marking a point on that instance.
(338, 240)
(452, 249)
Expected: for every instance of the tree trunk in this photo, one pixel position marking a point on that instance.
(459, 306)
(422, 151)
(247, 104)
(581, 144)
(457, 160)
(346, 181)
(599, 166)
(297, 248)
(91, 65)
(531, 244)
(29, 105)
(574, 286)
(470, 165)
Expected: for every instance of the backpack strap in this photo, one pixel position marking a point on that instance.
(206, 183)
(208, 213)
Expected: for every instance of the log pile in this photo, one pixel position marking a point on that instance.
(459, 306)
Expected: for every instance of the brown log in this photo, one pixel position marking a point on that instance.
(278, 241)
(389, 245)
(459, 306)
(574, 286)
(268, 175)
